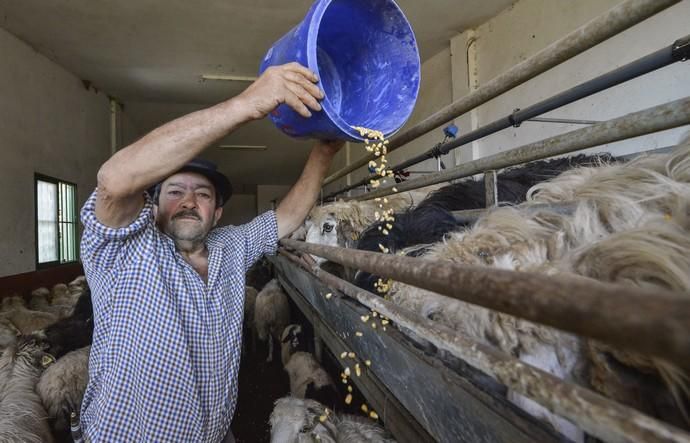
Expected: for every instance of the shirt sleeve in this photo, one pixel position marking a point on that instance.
(103, 246)
(256, 238)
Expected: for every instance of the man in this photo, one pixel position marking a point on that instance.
(167, 288)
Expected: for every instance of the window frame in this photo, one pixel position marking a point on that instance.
(57, 182)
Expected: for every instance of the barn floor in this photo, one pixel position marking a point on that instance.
(260, 385)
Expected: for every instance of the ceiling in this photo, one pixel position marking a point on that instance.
(150, 54)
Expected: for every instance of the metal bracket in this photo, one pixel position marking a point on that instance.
(512, 120)
(681, 49)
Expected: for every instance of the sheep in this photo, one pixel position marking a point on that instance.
(259, 274)
(309, 380)
(26, 320)
(292, 340)
(302, 420)
(622, 230)
(8, 333)
(79, 284)
(64, 295)
(62, 385)
(71, 333)
(22, 416)
(250, 294)
(341, 223)
(40, 302)
(12, 302)
(271, 314)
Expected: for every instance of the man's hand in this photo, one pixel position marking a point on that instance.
(292, 84)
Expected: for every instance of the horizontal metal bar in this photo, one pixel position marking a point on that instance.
(651, 322)
(641, 66)
(568, 121)
(658, 118)
(619, 18)
(592, 412)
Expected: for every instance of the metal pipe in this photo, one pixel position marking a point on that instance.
(567, 121)
(658, 118)
(651, 322)
(641, 66)
(592, 412)
(617, 19)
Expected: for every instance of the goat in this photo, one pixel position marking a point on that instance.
(22, 416)
(296, 420)
(271, 314)
(62, 385)
(292, 340)
(309, 380)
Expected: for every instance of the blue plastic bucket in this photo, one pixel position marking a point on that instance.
(366, 56)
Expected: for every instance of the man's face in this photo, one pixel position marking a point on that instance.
(186, 208)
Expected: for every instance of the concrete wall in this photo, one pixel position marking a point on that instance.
(239, 210)
(50, 124)
(529, 26)
(266, 193)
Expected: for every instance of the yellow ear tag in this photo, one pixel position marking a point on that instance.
(47, 360)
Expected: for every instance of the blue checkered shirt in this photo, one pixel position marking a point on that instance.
(166, 346)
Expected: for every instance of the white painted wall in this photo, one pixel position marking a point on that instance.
(239, 210)
(266, 193)
(50, 124)
(529, 26)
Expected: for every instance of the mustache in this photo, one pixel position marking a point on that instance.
(187, 213)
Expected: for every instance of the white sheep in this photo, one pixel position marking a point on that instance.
(62, 385)
(8, 333)
(309, 380)
(40, 301)
(296, 420)
(623, 230)
(292, 340)
(271, 314)
(341, 223)
(22, 416)
(26, 320)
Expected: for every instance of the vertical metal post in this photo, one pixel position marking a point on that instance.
(491, 188)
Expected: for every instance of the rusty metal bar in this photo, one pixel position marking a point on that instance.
(651, 322)
(658, 118)
(592, 412)
(619, 18)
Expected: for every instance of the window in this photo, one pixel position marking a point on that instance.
(56, 221)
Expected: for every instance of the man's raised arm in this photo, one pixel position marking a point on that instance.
(127, 174)
(294, 208)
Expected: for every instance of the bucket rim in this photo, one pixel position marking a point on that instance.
(312, 61)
